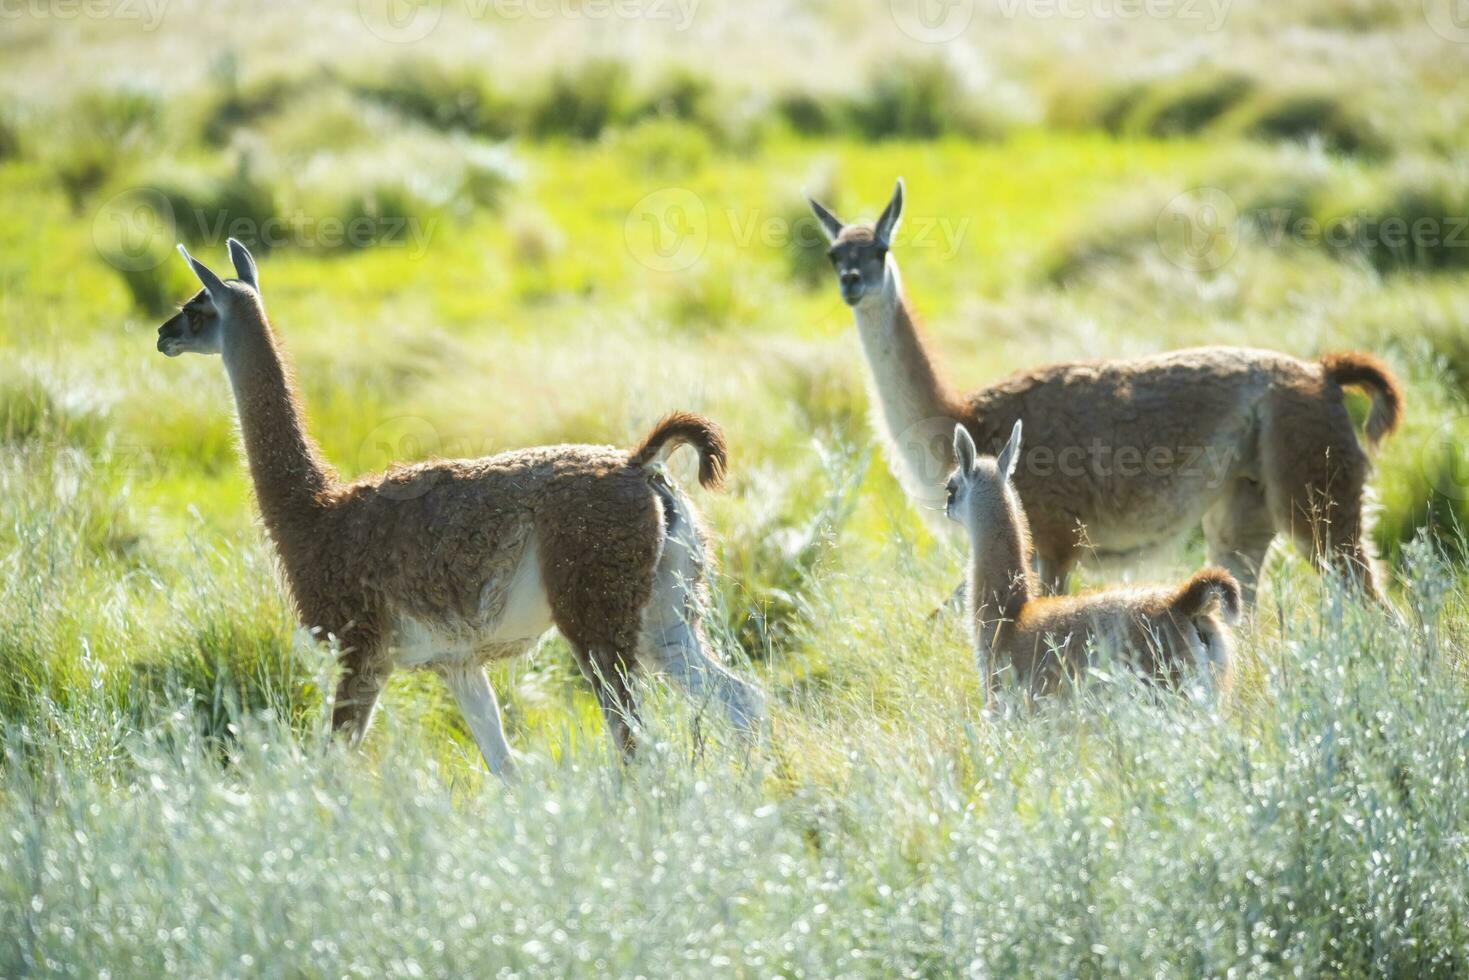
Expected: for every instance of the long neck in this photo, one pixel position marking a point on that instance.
(1000, 577)
(285, 465)
(915, 408)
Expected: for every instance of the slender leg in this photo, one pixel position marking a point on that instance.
(1316, 492)
(608, 675)
(362, 682)
(1053, 564)
(678, 650)
(1239, 530)
(477, 702)
(674, 640)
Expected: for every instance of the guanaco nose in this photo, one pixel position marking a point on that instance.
(851, 277)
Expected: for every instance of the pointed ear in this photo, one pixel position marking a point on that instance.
(212, 284)
(244, 264)
(1009, 457)
(892, 216)
(964, 452)
(830, 223)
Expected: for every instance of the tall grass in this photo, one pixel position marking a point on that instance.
(170, 799)
(1318, 827)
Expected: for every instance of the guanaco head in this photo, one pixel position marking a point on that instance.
(859, 252)
(980, 492)
(200, 324)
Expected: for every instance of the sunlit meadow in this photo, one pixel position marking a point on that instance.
(491, 225)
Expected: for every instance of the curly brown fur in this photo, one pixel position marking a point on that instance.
(1126, 456)
(680, 428)
(448, 564)
(1363, 370)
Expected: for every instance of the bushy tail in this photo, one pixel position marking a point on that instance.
(687, 427)
(1208, 587)
(1366, 371)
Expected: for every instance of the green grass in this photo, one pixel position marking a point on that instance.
(170, 799)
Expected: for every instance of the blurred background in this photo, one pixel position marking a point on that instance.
(495, 223)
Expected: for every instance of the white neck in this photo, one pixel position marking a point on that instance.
(911, 411)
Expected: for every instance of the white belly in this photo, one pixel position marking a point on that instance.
(524, 618)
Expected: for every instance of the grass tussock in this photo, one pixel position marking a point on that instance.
(443, 97)
(1186, 105)
(1222, 102)
(37, 412)
(1414, 215)
(99, 132)
(1325, 118)
(1410, 216)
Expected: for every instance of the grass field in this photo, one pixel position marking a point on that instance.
(510, 232)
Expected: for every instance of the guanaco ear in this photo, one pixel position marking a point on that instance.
(892, 216)
(212, 283)
(964, 451)
(244, 264)
(831, 225)
(1009, 457)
